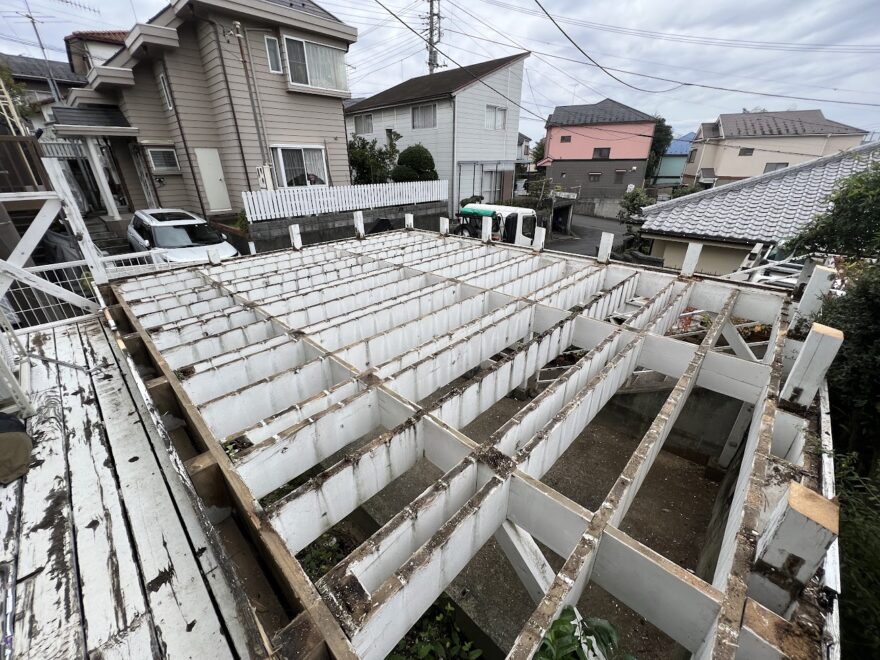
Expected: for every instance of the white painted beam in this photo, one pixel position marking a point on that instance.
(811, 365)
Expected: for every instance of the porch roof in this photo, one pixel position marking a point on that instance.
(91, 121)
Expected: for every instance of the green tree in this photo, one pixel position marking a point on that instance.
(538, 151)
(18, 92)
(659, 144)
(851, 226)
(370, 163)
(632, 203)
(415, 163)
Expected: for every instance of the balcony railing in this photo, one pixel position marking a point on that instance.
(21, 169)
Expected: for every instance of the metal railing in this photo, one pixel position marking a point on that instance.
(312, 200)
(21, 169)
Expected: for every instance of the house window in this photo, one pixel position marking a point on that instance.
(601, 153)
(315, 65)
(163, 159)
(273, 53)
(692, 155)
(618, 176)
(565, 138)
(165, 91)
(301, 166)
(424, 116)
(746, 151)
(593, 177)
(363, 124)
(496, 118)
(562, 176)
(772, 167)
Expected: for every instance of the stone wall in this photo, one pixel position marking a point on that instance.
(274, 234)
(599, 207)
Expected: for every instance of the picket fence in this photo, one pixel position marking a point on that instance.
(292, 202)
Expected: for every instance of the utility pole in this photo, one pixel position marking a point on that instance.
(433, 34)
(50, 80)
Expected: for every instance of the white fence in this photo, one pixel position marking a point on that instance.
(300, 201)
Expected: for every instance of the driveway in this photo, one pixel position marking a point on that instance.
(588, 230)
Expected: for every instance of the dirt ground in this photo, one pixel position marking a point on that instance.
(670, 514)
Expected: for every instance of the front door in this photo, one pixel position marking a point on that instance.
(213, 182)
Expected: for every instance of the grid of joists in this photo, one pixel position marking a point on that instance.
(292, 357)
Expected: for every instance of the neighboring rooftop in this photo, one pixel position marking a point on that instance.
(768, 124)
(433, 86)
(25, 68)
(523, 138)
(680, 146)
(101, 36)
(607, 111)
(767, 209)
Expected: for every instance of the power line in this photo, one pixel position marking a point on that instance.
(385, 66)
(706, 41)
(522, 107)
(595, 63)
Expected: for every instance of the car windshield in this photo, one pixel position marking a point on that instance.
(180, 236)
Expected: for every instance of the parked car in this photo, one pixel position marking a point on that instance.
(510, 224)
(176, 235)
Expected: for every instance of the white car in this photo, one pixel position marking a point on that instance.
(178, 235)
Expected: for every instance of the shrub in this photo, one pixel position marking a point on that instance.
(632, 204)
(415, 163)
(475, 199)
(369, 162)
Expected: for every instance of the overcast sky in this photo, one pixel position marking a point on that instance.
(388, 53)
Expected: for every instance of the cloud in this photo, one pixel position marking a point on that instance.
(387, 53)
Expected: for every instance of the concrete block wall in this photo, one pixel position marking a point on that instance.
(274, 234)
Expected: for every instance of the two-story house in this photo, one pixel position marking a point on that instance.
(672, 162)
(746, 144)
(468, 118)
(597, 150)
(210, 99)
(91, 48)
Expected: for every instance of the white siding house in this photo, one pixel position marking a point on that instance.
(467, 118)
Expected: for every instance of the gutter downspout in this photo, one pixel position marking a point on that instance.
(453, 201)
(183, 137)
(239, 35)
(247, 176)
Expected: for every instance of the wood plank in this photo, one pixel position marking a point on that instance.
(184, 617)
(112, 593)
(47, 611)
(228, 594)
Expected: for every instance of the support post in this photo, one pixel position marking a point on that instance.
(487, 230)
(538, 240)
(811, 364)
(739, 345)
(359, 224)
(408, 221)
(526, 558)
(817, 288)
(691, 259)
(801, 529)
(296, 241)
(252, 249)
(736, 435)
(444, 226)
(605, 245)
(94, 153)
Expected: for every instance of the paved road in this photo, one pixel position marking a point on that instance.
(589, 232)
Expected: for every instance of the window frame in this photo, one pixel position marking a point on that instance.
(591, 175)
(280, 175)
(775, 169)
(362, 117)
(413, 118)
(565, 139)
(280, 69)
(746, 151)
(493, 111)
(286, 38)
(600, 149)
(162, 170)
(165, 91)
(692, 155)
(618, 176)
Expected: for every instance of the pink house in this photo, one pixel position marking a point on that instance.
(598, 149)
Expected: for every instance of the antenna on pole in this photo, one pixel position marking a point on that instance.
(433, 34)
(50, 79)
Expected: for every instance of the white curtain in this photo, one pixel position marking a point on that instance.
(326, 66)
(315, 172)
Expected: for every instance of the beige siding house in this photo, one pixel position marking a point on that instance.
(220, 97)
(746, 144)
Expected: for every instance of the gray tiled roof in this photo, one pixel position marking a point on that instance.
(89, 116)
(608, 111)
(34, 68)
(764, 209)
(768, 124)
